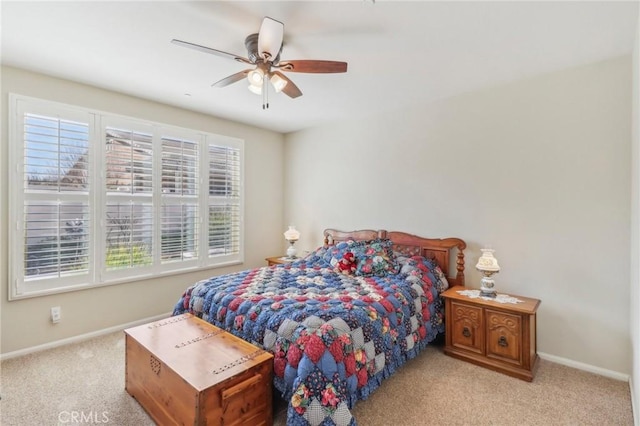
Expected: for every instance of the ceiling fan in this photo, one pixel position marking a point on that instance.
(264, 50)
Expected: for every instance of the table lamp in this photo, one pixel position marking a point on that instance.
(292, 235)
(487, 265)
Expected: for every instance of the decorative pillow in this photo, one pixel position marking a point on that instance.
(375, 258)
(401, 259)
(336, 252)
(429, 267)
(316, 255)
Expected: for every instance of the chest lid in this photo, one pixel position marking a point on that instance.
(197, 351)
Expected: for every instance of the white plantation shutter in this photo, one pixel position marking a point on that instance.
(179, 232)
(97, 199)
(129, 217)
(225, 216)
(179, 215)
(54, 223)
(224, 229)
(55, 154)
(129, 162)
(179, 167)
(56, 239)
(129, 235)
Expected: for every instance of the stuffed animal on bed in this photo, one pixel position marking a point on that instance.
(347, 265)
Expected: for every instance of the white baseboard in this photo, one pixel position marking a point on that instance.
(81, 337)
(585, 367)
(634, 408)
(76, 339)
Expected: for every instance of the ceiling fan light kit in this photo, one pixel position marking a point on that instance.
(264, 49)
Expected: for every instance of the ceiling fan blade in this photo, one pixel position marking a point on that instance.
(231, 79)
(290, 89)
(270, 38)
(211, 51)
(312, 66)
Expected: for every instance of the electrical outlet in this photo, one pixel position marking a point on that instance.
(56, 314)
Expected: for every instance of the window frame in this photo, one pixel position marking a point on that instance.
(98, 198)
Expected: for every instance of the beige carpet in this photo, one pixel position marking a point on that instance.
(86, 380)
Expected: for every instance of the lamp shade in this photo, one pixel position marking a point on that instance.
(255, 89)
(278, 82)
(487, 262)
(255, 77)
(292, 234)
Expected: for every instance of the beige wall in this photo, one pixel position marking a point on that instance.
(25, 323)
(538, 169)
(635, 228)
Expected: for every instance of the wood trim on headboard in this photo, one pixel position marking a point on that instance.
(432, 248)
(332, 236)
(439, 249)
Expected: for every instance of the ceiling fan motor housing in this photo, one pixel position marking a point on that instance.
(251, 43)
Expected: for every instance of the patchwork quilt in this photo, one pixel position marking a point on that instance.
(335, 336)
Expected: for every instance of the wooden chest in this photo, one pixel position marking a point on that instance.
(185, 371)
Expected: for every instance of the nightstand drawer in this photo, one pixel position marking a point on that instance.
(467, 327)
(504, 334)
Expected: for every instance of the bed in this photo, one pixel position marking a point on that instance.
(336, 331)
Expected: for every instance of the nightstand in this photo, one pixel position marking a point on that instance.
(499, 336)
(278, 260)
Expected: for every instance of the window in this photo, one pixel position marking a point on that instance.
(224, 199)
(128, 220)
(180, 218)
(98, 199)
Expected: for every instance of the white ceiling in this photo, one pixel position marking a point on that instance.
(399, 53)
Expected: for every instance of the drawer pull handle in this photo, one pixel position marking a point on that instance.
(502, 341)
(241, 387)
(466, 332)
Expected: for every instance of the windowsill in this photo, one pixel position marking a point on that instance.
(130, 280)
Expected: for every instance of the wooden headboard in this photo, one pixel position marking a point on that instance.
(439, 249)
